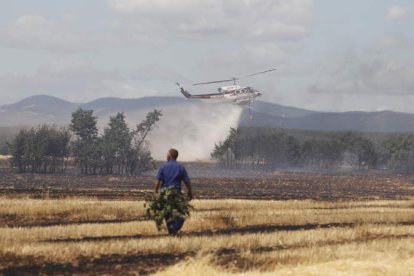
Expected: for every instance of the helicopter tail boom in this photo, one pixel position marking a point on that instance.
(185, 93)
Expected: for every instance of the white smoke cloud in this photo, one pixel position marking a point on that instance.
(396, 13)
(71, 79)
(258, 31)
(193, 129)
(38, 32)
(263, 20)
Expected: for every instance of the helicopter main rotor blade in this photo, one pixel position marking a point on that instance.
(234, 79)
(258, 73)
(210, 82)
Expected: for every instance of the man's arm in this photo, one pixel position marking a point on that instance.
(160, 177)
(187, 182)
(157, 185)
(189, 189)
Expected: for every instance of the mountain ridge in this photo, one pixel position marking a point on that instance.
(40, 109)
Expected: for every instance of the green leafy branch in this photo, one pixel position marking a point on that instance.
(169, 204)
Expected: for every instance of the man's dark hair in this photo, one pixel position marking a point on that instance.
(173, 154)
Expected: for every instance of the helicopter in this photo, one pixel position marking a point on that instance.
(232, 93)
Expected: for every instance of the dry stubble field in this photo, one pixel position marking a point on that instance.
(328, 224)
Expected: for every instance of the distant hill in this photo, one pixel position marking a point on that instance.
(41, 109)
(383, 121)
(36, 110)
(109, 105)
(280, 110)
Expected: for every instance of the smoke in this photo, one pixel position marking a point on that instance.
(192, 128)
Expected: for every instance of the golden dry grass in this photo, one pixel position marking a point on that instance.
(234, 236)
(5, 157)
(69, 210)
(340, 264)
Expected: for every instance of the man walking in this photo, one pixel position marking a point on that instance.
(171, 175)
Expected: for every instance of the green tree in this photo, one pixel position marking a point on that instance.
(321, 154)
(397, 153)
(117, 145)
(139, 159)
(87, 144)
(227, 152)
(19, 150)
(361, 150)
(260, 148)
(42, 150)
(146, 126)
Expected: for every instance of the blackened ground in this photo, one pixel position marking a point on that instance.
(210, 182)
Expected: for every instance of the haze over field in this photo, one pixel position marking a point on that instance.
(330, 55)
(192, 128)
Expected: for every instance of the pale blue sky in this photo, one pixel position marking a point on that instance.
(332, 55)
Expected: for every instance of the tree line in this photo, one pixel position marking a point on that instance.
(44, 149)
(7, 134)
(118, 150)
(276, 149)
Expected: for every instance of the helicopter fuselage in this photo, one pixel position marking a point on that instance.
(233, 93)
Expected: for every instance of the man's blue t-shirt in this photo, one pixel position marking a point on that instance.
(171, 174)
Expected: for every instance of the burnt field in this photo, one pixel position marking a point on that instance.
(212, 183)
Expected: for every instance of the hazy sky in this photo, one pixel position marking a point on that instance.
(330, 54)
